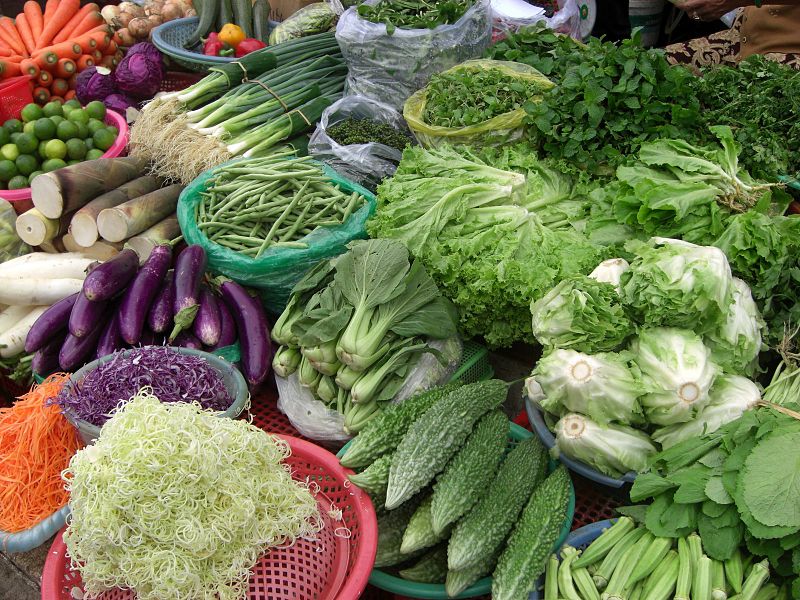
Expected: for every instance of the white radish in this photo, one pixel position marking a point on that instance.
(37, 291)
(12, 341)
(42, 265)
(10, 316)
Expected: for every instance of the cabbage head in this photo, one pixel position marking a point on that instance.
(610, 271)
(736, 344)
(677, 371)
(677, 284)
(728, 399)
(602, 386)
(583, 314)
(611, 449)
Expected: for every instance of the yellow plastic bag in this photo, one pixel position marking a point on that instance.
(494, 132)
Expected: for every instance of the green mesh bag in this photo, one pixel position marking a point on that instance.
(275, 272)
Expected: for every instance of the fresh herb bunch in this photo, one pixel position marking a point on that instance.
(414, 14)
(364, 131)
(464, 97)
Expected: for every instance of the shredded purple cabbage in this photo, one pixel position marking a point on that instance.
(174, 377)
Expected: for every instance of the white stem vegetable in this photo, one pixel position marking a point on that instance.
(44, 266)
(12, 341)
(37, 291)
(11, 316)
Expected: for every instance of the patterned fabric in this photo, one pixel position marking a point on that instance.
(721, 48)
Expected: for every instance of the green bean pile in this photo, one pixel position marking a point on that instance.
(261, 203)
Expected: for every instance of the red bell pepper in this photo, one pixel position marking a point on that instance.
(248, 45)
(212, 45)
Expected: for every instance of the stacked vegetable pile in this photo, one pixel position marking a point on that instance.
(484, 514)
(51, 137)
(236, 22)
(630, 562)
(286, 89)
(656, 347)
(355, 327)
(120, 304)
(132, 22)
(414, 15)
(108, 198)
(54, 46)
(182, 535)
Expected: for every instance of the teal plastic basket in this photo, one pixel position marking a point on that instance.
(436, 591)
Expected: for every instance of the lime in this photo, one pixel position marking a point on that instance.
(96, 110)
(67, 130)
(44, 129)
(9, 152)
(72, 103)
(52, 164)
(26, 164)
(27, 143)
(33, 176)
(42, 148)
(57, 119)
(66, 110)
(113, 130)
(55, 149)
(17, 183)
(104, 139)
(29, 127)
(83, 130)
(93, 154)
(74, 161)
(15, 136)
(5, 136)
(13, 125)
(89, 143)
(52, 109)
(76, 149)
(31, 112)
(95, 125)
(78, 115)
(7, 170)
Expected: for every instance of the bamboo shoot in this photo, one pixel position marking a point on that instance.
(84, 222)
(162, 232)
(34, 228)
(68, 189)
(54, 246)
(101, 250)
(135, 216)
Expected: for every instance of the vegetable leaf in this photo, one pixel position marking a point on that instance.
(772, 483)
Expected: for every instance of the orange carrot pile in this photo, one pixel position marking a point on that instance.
(36, 444)
(52, 44)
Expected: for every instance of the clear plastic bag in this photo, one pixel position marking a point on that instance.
(566, 20)
(389, 68)
(316, 421)
(10, 244)
(366, 164)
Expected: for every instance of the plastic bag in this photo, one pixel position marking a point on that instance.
(314, 18)
(367, 164)
(316, 421)
(494, 132)
(566, 19)
(275, 272)
(389, 68)
(10, 244)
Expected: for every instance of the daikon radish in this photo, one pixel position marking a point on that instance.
(83, 227)
(162, 232)
(11, 316)
(135, 216)
(42, 265)
(101, 250)
(12, 341)
(68, 189)
(37, 291)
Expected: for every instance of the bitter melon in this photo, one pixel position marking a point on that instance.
(431, 568)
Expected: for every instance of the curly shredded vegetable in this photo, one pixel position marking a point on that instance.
(174, 502)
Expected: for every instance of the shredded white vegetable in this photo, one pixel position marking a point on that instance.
(175, 503)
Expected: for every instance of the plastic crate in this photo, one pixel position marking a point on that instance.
(15, 93)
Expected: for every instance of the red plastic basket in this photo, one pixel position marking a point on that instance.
(15, 93)
(330, 568)
(175, 81)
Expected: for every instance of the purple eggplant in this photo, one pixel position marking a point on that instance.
(190, 266)
(159, 319)
(50, 322)
(186, 339)
(227, 335)
(110, 340)
(75, 350)
(141, 292)
(45, 360)
(251, 323)
(111, 277)
(84, 316)
(207, 326)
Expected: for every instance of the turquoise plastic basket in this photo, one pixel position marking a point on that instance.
(170, 38)
(436, 591)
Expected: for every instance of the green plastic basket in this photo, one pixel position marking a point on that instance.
(436, 591)
(474, 364)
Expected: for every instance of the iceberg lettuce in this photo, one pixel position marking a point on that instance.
(610, 271)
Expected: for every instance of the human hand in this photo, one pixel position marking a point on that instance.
(710, 10)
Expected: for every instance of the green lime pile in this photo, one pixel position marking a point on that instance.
(50, 137)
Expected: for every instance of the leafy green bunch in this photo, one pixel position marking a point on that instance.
(414, 14)
(364, 131)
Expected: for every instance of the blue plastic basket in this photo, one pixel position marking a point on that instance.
(536, 419)
(579, 539)
(37, 535)
(171, 36)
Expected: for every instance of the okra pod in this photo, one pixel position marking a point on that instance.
(599, 548)
(701, 579)
(606, 569)
(584, 584)
(695, 547)
(683, 583)
(661, 583)
(768, 592)
(635, 593)
(755, 580)
(622, 574)
(551, 579)
(651, 558)
(718, 591)
(566, 588)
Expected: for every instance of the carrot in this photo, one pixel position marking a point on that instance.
(59, 87)
(84, 62)
(95, 39)
(51, 54)
(96, 55)
(44, 79)
(69, 30)
(36, 445)
(10, 35)
(73, 80)
(41, 95)
(9, 69)
(33, 12)
(25, 32)
(65, 68)
(108, 62)
(61, 16)
(111, 48)
(70, 95)
(29, 67)
(8, 53)
(50, 9)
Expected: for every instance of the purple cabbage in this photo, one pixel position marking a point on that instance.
(146, 48)
(174, 377)
(92, 84)
(140, 74)
(120, 103)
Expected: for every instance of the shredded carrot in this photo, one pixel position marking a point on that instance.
(36, 445)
